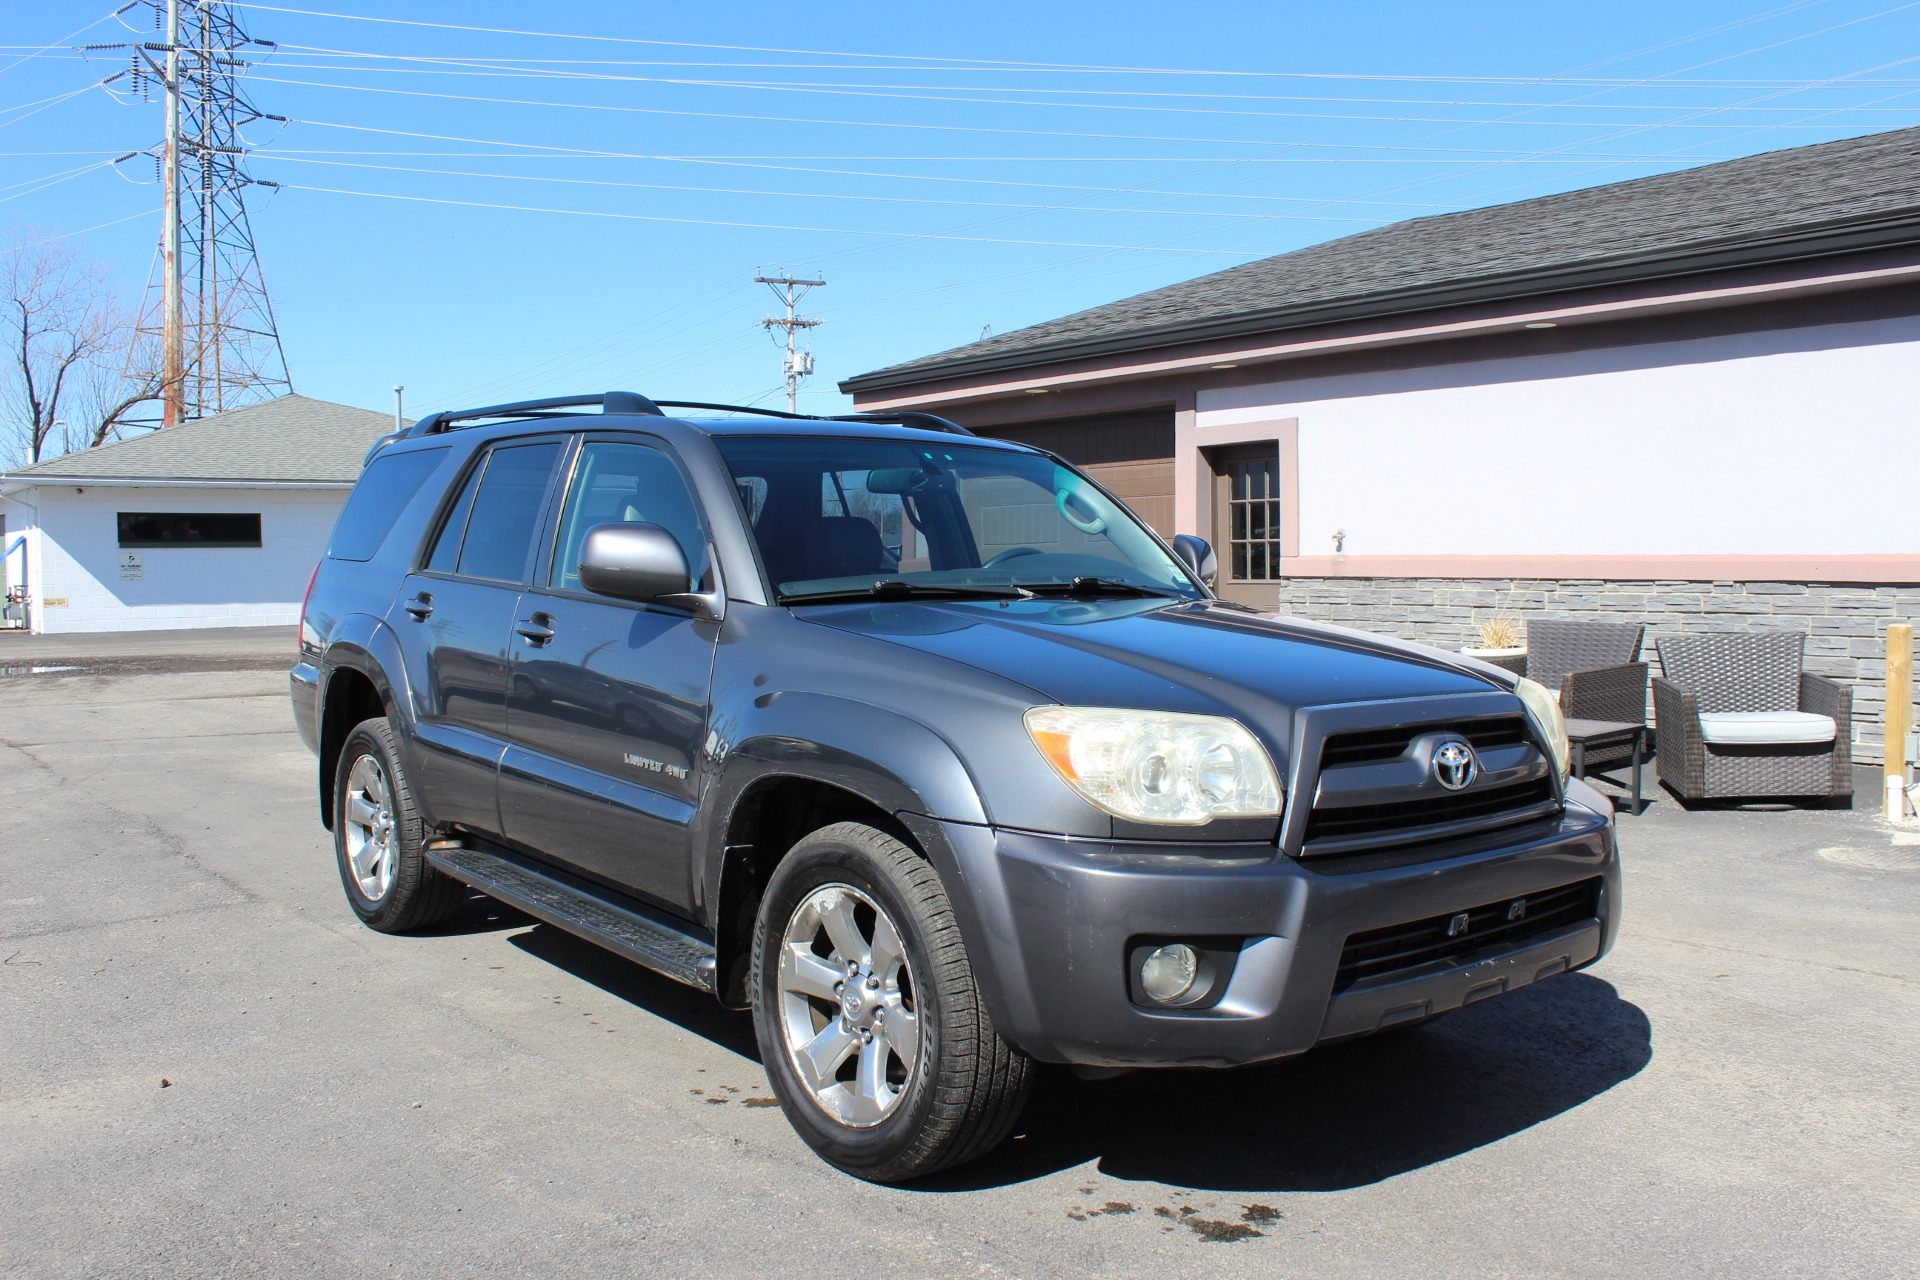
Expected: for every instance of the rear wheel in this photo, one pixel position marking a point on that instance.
(378, 837)
(869, 1020)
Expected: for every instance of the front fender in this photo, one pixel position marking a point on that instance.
(887, 760)
(893, 762)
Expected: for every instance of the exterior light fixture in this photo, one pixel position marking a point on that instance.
(1037, 391)
(1223, 366)
(1541, 324)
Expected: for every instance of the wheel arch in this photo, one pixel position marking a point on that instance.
(355, 686)
(809, 761)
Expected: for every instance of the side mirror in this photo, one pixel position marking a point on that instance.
(1197, 555)
(633, 562)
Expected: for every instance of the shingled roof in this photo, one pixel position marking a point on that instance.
(291, 440)
(1828, 198)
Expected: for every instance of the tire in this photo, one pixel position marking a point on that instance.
(962, 1092)
(391, 887)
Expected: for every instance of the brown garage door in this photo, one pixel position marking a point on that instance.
(1130, 453)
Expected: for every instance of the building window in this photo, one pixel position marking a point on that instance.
(1253, 519)
(189, 528)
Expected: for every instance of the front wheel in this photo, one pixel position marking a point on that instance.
(869, 1020)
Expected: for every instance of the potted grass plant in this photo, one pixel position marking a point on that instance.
(1503, 639)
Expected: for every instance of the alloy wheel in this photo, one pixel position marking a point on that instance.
(847, 1012)
(372, 835)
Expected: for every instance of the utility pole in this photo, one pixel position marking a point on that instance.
(172, 324)
(210, 342)
(799, 363)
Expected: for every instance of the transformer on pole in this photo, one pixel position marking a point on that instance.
(207, 340)
(799, 364)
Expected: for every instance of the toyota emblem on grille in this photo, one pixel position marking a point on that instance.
(1453, 764)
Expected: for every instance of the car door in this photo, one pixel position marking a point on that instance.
(455, 616)
(608, 702)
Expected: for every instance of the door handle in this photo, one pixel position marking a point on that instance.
(420, 606)
(535, 629)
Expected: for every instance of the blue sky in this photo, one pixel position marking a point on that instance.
(946, 168)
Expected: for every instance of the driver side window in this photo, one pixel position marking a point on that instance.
(613, 483)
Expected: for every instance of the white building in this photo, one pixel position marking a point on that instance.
(216, 523)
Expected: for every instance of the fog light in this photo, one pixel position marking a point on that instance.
(1168, 973)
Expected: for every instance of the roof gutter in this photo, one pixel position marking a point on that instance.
(26, 480)
(1894, 230)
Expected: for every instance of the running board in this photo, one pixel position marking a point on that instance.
(667, 947)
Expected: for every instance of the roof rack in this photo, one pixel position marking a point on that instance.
(633, 402)
(924, 421)
(609, 402)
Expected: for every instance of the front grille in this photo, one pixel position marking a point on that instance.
(1371, 746)
(1383, 953)
(1404, 815)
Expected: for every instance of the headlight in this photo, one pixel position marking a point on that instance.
(1158, 766)
(1544, 707)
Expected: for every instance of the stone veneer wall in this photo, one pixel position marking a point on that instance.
(1845, 625)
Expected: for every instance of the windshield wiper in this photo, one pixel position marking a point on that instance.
(1099, 587)
(896, 589)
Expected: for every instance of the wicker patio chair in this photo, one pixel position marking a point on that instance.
(1738, 717)
(1595, 668)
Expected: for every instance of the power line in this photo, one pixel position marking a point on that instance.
(68, 235)
(756, 226)
(805, 195)
(66, 39)
(890, 92)
(902, 124)
(980, 63)
(569, 153)
(1214, 161)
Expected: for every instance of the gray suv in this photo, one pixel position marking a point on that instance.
(923, 748)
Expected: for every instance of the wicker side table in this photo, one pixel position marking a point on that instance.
(1584, 735)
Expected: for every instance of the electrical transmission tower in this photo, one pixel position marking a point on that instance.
(799, 363)
(207, 337)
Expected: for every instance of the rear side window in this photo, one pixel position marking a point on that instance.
(504, 515)
(384, 491)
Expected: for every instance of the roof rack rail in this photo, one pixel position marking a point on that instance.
(924, 421)
(609, 402)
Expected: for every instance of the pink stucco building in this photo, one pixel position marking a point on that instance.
(1689, 399)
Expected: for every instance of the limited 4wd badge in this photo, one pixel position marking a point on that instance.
(655, 766)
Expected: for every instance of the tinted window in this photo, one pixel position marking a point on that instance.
(446, 543)
(384, 491)
(505, 512)
(619, 483)
(189, 528)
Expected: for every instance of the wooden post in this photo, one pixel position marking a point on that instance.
(1899, 715)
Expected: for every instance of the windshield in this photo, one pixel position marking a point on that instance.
(836, 516)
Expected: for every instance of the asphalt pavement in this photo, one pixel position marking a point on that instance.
(209, 1068)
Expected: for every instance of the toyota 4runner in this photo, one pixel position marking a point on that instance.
(923, 748)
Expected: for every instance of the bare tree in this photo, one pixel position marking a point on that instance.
(66, 340)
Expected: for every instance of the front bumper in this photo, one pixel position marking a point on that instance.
(1049, 922)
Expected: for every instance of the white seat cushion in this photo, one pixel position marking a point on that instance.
(1765, 727)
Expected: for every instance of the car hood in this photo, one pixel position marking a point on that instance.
(1148, 654)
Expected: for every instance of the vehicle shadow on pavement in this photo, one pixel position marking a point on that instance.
(691, 1010)
(1341, 1117)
